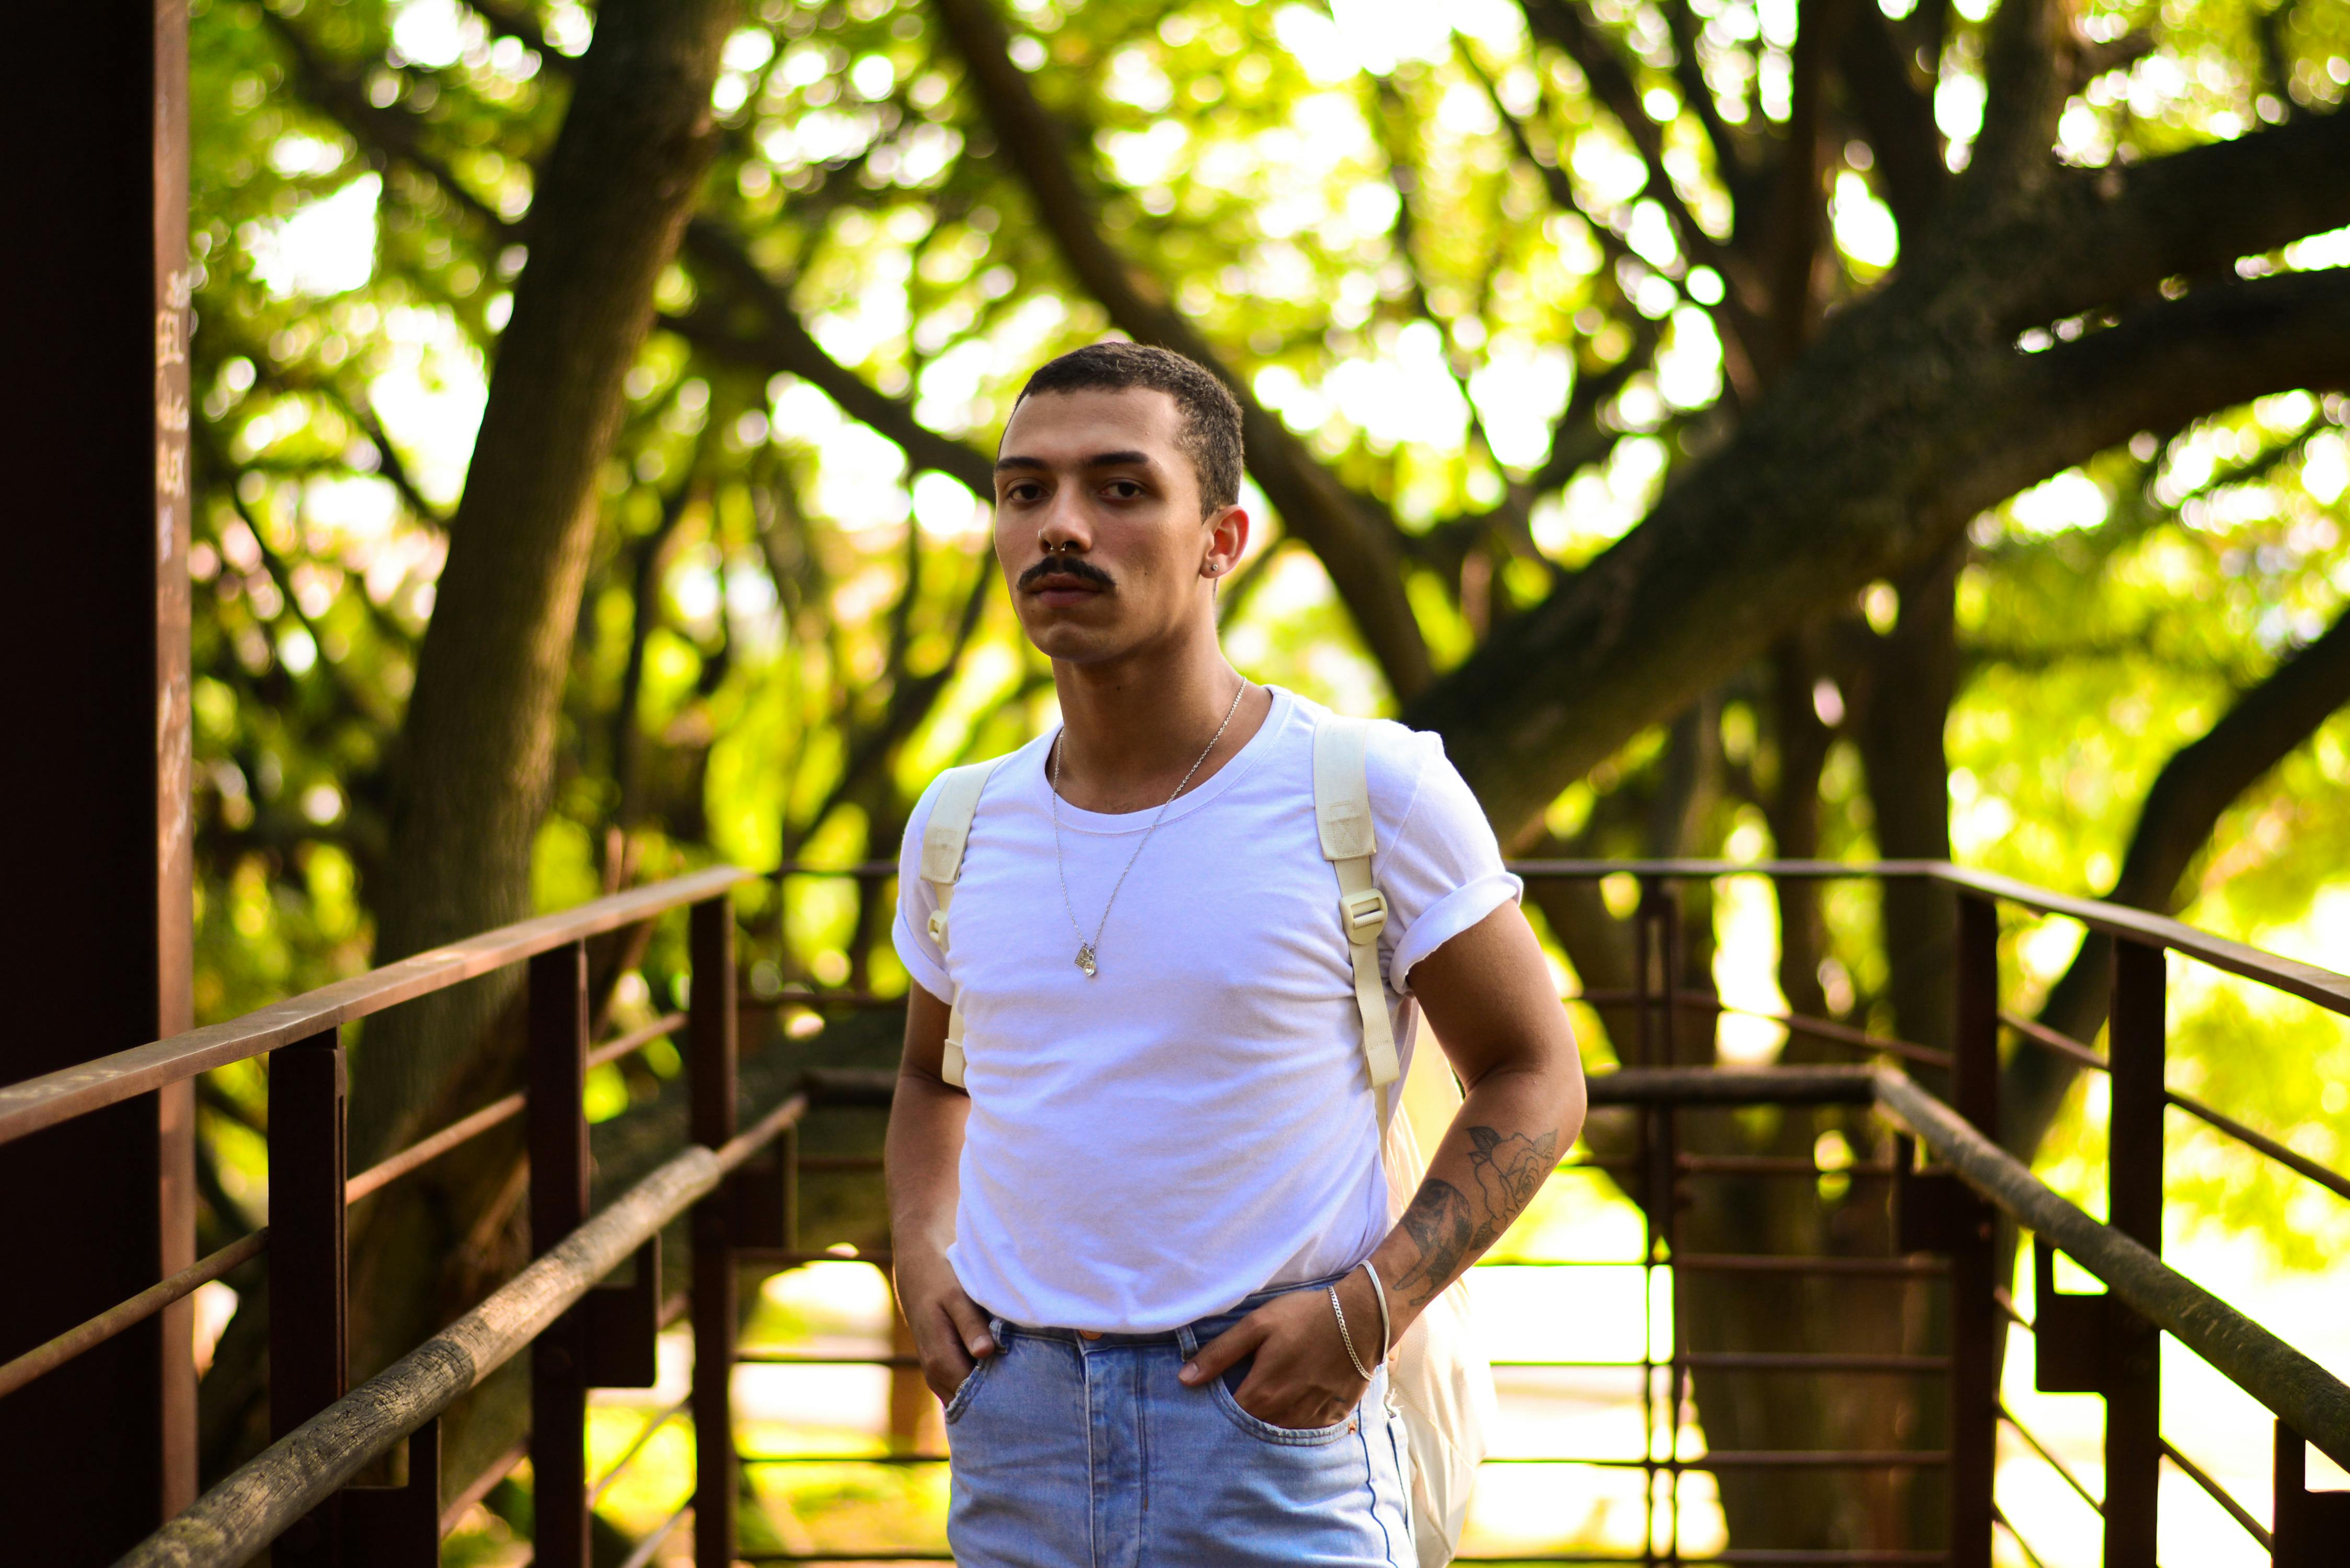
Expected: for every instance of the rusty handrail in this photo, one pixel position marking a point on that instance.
(269, 1493)
(46, 1357)
(426, 1150)
(2311, 982)
(53, 1097)
(2251, 1138)
(1698, 870)
(2303, 1394)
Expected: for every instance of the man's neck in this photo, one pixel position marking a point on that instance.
(1133, 726)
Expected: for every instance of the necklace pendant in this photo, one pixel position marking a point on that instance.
(1086, 959)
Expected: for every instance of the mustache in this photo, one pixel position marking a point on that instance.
(1076, 566)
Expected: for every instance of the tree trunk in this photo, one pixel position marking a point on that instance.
(477, 753)
(477, 748)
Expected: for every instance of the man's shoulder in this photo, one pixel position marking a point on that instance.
(1395, 758)
(998, 767)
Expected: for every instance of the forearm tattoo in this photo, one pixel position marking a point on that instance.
(1451, 1228)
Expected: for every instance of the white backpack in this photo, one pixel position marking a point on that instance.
(1438, 1378)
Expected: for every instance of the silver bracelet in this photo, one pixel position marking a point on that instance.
(1387, 1325)
(1348, 1339)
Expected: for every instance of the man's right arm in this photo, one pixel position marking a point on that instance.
(919, 1159)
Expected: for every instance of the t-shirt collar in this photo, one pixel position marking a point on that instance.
(1259, 745)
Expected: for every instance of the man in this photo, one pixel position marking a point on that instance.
(1138, 1209)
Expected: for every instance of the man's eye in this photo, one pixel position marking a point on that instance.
(1125, 489)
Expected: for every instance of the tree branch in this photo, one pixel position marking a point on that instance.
(393, 134)
(1562, 23)
(1357, 545)
(2026, 62)
(1799, 202)
(2194, 789)
(1404, 177)
(1743, 333)
(2276, 55)
(2113, 233)
(1554, 177)
(1898, 118)
(389, 462)
(911, 698)
(780, 342)
(1689, 74)
(2165, 365)
(1846, 475)
(649, 563)
(516, 22)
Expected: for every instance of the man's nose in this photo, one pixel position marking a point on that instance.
(1062, 529)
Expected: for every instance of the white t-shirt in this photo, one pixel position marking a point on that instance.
(1195, 1123)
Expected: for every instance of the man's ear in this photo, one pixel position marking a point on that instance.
(1228, 537)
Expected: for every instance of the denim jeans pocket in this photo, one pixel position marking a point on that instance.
(968, 1389)
(1222, 1390)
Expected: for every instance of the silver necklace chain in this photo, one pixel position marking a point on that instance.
(1086, 950)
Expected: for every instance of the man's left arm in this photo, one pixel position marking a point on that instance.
(1489, 1000)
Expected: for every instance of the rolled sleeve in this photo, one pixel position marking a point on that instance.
(1439, 864)
(1448, 917)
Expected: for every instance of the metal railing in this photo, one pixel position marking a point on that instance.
(298, 1493)
(2108, 1343)
(296, 1496)
(1947, 1237)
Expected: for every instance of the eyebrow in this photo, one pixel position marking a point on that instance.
(1098, 460)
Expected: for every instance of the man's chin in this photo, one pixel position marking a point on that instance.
(1058, 636)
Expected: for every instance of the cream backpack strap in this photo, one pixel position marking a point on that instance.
(1342, 811)
(944, 837)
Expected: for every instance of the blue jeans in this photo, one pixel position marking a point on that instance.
(1070, 1452)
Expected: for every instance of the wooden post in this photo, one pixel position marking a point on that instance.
(557, 1123)
(2133, 1206)
(709, 1043)
(310, 1347)
(1974, 1312)
(1656, 943)
(95, 1453)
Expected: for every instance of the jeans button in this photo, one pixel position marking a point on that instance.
(1089, 1334)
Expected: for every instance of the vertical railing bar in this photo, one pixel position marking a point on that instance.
(1653, 1156)
(710, 1047)
(1973, 1301)
(2135, 1048)
(1664, 983)
(309, 1263)
(557, 1123)
(1648, 1472)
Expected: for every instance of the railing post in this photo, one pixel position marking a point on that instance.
(1655, 941)
(710, 1040)
(309, 1343)
(1974, 1312)
(2306, 1522)
(2133, 1206)
(557, 1124)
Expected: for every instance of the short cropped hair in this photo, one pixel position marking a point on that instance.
(1210, 433)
